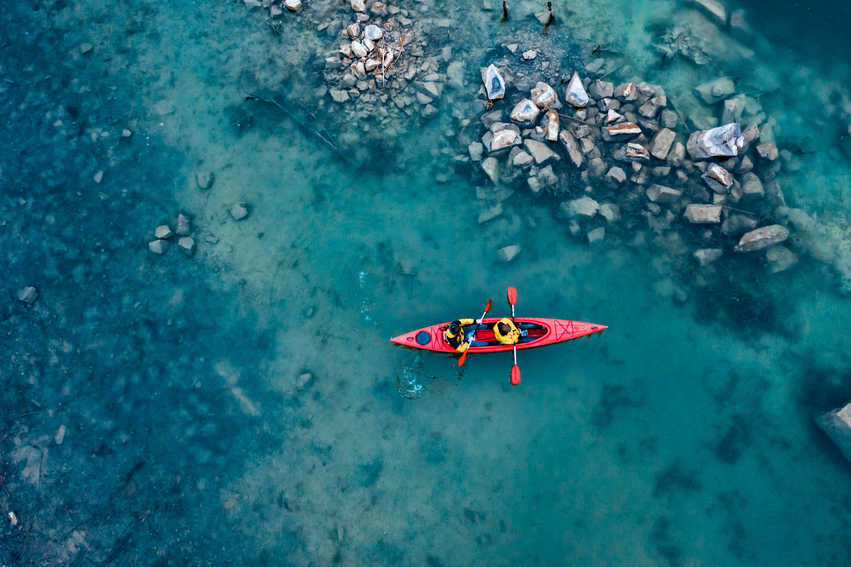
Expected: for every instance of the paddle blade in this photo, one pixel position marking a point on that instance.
(512, 295)
(488, 306)
(463, 358)
(515, 375)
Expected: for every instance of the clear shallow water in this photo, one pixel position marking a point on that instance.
(682, 436)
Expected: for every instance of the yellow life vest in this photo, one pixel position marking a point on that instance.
(457, 339)
(509, 338)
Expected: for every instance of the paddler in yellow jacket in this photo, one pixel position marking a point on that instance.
(454, 334)
(506, 331)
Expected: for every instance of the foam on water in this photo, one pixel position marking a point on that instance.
(683, 435)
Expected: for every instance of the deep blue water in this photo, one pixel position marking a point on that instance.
(155, 409)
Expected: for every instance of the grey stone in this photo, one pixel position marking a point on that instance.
(602, 89)
(183, 226)
(239, 211)
(752, 186)
(661, 143)
(571, 147)
(581, 207)
(737, 224)
(663, 194)
(648, 110)
(669, 119)
(780, 259)
(520, 158)
(635, 151)
(733, 108)
(204, 179)
(163, 231)
(543, 95)
(610, 212)
(596, 234)
(762, 238)
(767, 151)
(706, 256)
(837, 425)
(703, 214)
(714, 9)
(157, 246)
(616, 175)
(338, 95)
(717, 173)
(509, 253)
(723, 141)
(494, 83)
(715, 90)
(596, 166)
(529, 55)
(575, 93)
(626, 92)
(490, 213)
(491, 169)
(187, 245)
(28, 294)
(525, 111)
(475, 149)
(540, 151)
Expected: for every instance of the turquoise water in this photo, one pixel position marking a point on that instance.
(155, 409)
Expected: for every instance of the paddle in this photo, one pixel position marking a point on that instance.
(515, 370)
(463, 358)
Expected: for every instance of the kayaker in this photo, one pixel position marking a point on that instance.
(454, 334)
(506, 331)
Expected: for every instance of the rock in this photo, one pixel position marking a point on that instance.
(715, 90)
(837, 425)
(663, 194)
(624, 128)
(491, 169)
(575, 93)
(723, 141)
(529, 55)
(126, 133)
(721, 176)
(648, 109)
(745, 165)
(525, 111)
(610, 212)
(616, 175)
(86, 48)
(596, 234)
(571, 146)
(661, 143)
(353, 30)
(204, 179)
(520, 158)
(602, 89)
(494, 83)
(703, 214)
(508, 253)
(490, 213)
(762, 238)
(163, 231)
(613, 116)
(752, 186)
(183, 226)
(504, 138)
(669, 119)
(454, 73)
(552, 127)
(626, 92)
(373, 32)
(358, 5)
(706, 256)
(98, 176)
(157, 246)
(545, 177)
(187, 245)
(767, 151)
(359, 50)
(292, 5)
(544, 95)
(476, 149)
(733, 108)
(28, 294)
(714, 9)
(677, 154)
(780, 258)
(737, 224)
(636, 152)
(581, 207)
(338, 95)
(596, 166)
(540, 151)
(239, 211)
(303, 380)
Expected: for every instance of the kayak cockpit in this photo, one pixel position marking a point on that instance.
(529, 332)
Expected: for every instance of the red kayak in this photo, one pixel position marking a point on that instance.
(537, 332)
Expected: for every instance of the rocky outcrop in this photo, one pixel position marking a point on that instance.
(762, 238)
(723, 141)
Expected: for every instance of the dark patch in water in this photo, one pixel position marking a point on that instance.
(435, 449)
(675, 478)
(736, 437)
(663, 542)
(613, 397)
(370, 472)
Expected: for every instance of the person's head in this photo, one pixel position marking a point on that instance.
(503, 327)
(454, 328)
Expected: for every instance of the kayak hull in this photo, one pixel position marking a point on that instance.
(554, 331)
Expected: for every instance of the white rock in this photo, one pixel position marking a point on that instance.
(613, 116)
(544, 95)
(540, 151)
(837, 425)
(504, 139)
(494, 83)
(762, 237)
(338, 95)
(359, 50)
(476, 149)
(524, 111)
(596, 234)
(183, 226)
(575, 93)
(508, 253)
(552, 126)
(723, 141)
(706, 256)
(715, 9)
(610, 212)
(581, 207)
(187, 245)
(752, 186)
(353, 30)
(663, 194)
(28, 294)
(157, 246)
(716, 90)
(703, 214)
(239, 211)
(491, 169)
(661, 143)
(292, 5)
(373, 32)
(617, 175)
(529, 55)
(163, 231)
(358, 5)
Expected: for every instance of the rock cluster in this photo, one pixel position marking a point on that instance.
(621, 148)
(163, 236)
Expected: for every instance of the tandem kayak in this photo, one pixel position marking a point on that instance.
(536, 332)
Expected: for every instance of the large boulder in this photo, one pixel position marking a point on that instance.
(662, 194)
(703, 214)
(494, 83)
(762, 238)
(718, 89)
(661, 143)
(571, 146)
(723, 141)
(575, 93)
(581, 207)
(540, 151)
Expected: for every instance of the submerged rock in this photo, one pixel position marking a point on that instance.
(661, 143)
(292, 5)
(163, 231)
(204, 179)
(716, 90)
(703, 214)
(508, 253)
(714, 9)
(491, 169)
(596, 234)
(187, 245)
(494, 83)
(723, 141)
(762, 238)
(752, 186)
(581, 207)
(837, 425)
(737, 224)
(663, 194)
(525, 111)
(183, 226)
(540, 151)
(572, 147)
(780, 258)
(28, 294)
(157, 246)
(239, 211)
(706, 256)
(575, 93)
